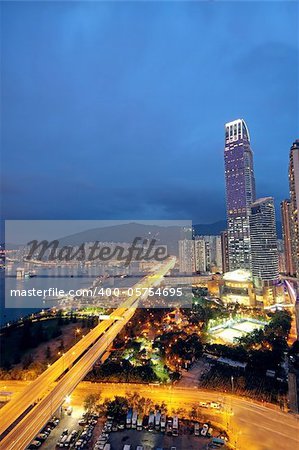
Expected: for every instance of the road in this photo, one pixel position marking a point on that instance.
(255, 426)
(50, 397)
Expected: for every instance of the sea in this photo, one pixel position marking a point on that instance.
(65, 278)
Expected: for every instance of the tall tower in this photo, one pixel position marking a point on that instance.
(200, 254)
(285, 208)
(263, 239)
(240, 192)
(186, 256)
(224, 251)
(294, 202)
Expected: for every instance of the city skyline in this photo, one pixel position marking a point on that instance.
(150, 162)
(171, 117)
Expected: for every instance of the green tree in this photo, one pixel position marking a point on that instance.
(117, 407)
(91, 402)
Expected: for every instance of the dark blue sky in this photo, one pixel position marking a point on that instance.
(116, 110)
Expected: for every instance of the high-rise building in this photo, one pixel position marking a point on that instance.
(294, 202)
(186, 256)
(263, 237)
(240, 192)
(285, 208)
(218, 255)
(212, 252)
(224, 251)
(200, 254)
(281, 256)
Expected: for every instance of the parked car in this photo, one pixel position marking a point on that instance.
(34, 444)
(203, 404)
(204, 429)
(215, 405)
(41, 437)
(47, 430)
(82, 422)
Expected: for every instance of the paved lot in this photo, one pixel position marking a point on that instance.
(150, 441)
(191, 377)
(69, 422)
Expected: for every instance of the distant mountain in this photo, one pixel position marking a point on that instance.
(209, 229)
(9, 246)
(214, 229)
(166, 235)
(127, 233)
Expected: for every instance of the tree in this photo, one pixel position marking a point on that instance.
(133, 399)
(91, 402)
(194, 413)
(48, 352)
(145, 405)
(39, 335)
(117, 407)
(26, 337)
(27, 360)
(163, 408)
(175, 376)
(61, 345)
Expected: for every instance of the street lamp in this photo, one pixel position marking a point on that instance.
(77, 332)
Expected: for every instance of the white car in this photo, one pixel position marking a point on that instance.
(204, 429)
(41, 437)
(215, 405)
(203, 404)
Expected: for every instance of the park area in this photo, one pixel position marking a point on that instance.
(230, 330)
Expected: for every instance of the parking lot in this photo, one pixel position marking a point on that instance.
(67, 422)
(91, 433)
(151, 441)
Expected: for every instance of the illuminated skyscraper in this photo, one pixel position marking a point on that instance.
(186, 256)
(240, 192)
(285, 208)
(224, 251)
(294, 202)
(263, 239)
(200, 254)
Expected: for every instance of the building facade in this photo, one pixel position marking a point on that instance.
(240, 192)
(224, 251)
(218, 256)
(263, 237)
(200, 254)
(294, 203)
(186, 256)
(285, 208)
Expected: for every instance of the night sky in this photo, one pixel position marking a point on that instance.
(117, 110)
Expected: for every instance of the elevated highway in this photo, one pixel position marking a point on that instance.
(69, 370)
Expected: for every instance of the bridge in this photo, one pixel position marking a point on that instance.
(24, 416)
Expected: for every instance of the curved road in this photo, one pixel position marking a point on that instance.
(254, 426)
